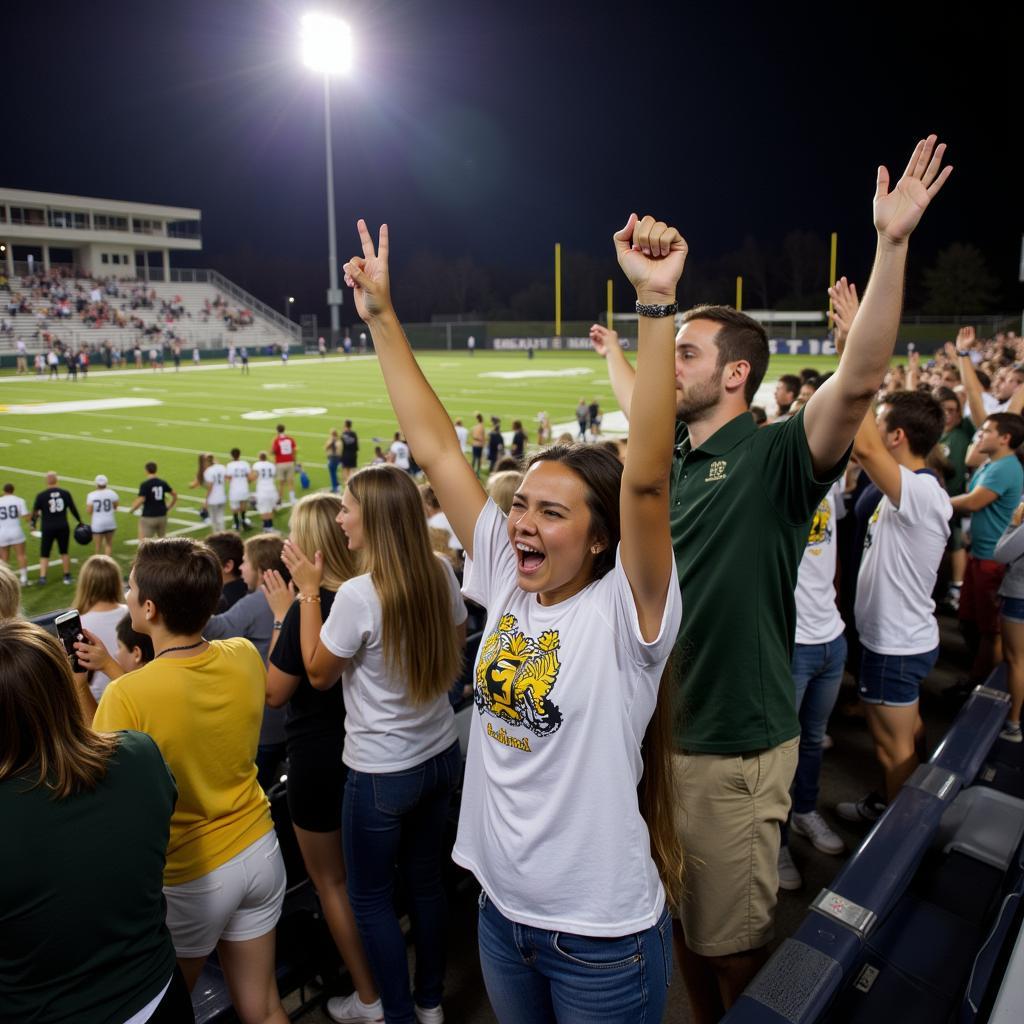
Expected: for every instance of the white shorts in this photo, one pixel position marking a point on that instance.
(238, 497)
(10, 537)
(266, 503)
(103, 526)
(240, 900)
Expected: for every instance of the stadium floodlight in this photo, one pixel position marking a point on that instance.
(327, 48)
(326, 44)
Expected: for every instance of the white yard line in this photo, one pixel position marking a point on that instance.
(91, 483)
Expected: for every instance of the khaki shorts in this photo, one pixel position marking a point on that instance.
(730, 809)
(285, 472)
(152, 526)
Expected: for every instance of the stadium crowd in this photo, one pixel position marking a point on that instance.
(588, 567)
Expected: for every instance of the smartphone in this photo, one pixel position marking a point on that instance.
(69, 629)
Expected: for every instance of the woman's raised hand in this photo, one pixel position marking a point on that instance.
(652, 255)
(367, 275)
(306, 575)
(279, 594)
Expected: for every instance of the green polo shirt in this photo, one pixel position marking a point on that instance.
(742, 505)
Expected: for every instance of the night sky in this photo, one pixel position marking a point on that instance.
(492, 130)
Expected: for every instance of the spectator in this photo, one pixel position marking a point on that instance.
(400, 451)
(349, 450)
(106, 797)
(101, 507)
(502, 487)
(230, 551)
(518, 448)
(477, 438)
(284, 449)
(1009, 549)
(582, 415)
(958, 432)
(495, 444)
(994, 493)
(786, 391)
(99, 598)
(333, 450)
(315, 732)
(10, 594)
(202, 703)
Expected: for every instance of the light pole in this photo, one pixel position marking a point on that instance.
(289, 301)
(327, 48)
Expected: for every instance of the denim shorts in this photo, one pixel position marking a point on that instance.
(894, 679)
(1012, 609)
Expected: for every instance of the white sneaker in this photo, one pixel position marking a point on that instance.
(870, 809)
(790, 878)
(1011, 732)
(352, 1010)
(429, 1015)
(814, 827)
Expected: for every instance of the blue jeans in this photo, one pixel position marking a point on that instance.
(817, 674)
(333, 462)
(534, 976)
(399, 818)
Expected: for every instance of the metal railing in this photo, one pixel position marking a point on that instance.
(219, 281)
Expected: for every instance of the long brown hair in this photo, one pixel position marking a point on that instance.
(601, 473)
(99, 580)
(418, 631)
(313, 526)
(44, 736)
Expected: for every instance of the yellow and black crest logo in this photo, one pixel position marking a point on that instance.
(515, 675)
(821, 526)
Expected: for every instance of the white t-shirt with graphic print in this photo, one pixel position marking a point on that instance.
(903, 546)
(238, 474)
(817, 618)
(550, 823)
(384, 732)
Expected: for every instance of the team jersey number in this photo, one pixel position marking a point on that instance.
(157, 493)
(265, 472)
(104, 505)
(285, 447)
(8, 512)
(56, 504)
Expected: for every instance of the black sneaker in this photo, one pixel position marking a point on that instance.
(869, 809)
(67, 579)
(41, 582)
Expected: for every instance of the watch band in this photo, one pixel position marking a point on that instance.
(656, 312)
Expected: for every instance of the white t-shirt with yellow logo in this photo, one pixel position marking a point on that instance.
(550, 823)
(817, 618)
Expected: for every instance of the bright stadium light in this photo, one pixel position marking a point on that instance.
(327, 48)
(326, 44)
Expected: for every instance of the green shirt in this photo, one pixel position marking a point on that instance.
(742, 505)
(82, 933)
(954, 445)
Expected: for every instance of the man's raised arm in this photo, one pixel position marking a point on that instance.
(837, 408)
(620, 370)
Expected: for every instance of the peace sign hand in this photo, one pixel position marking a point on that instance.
(367, 275)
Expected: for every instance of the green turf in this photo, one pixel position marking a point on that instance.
(202, 411)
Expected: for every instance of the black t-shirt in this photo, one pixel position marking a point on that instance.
(52, 506)
(349, 445)
(495, 444)
(518, 444)
(234, 591)
(312, 713)
(155, 491)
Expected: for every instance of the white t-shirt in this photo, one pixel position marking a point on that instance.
(817, 618)
(462, 433)
(894, 609)
(266, 478)
(12, 511)
(383, 731)
(214, 477)
(104, 625)
(550, 823)
(439, 521)
(238, 474)
(104, 502)
(400, 450)
(992, 404)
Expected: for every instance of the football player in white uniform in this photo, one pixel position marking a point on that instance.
(238, 490)
(264, 472)
(216, 497)
(12, 535)
(101, 505)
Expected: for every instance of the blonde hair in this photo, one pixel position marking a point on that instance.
(98, 580)
(43, 731)
(10, 594)
(418, 630)
(314, 528)
(502, 487)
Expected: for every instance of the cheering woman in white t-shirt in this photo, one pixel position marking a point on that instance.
(583, 609)
(393, 637)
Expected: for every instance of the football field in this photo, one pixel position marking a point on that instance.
(113, 422)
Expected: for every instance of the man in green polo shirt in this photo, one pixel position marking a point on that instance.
(742, 503)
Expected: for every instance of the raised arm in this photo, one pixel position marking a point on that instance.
(876, 460)
(652, 256)
(620, 370)
(421, 415)
(835, 411)
(968, 375)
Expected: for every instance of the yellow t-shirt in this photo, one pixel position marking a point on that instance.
(204, 714)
